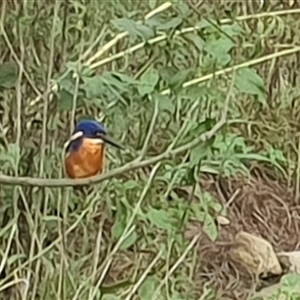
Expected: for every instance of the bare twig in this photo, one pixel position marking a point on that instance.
(121, 35)
(163, 36)
(28, 181)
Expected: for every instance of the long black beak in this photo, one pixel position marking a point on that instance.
(107, 139)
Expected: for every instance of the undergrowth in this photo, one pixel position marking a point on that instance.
(158, 75)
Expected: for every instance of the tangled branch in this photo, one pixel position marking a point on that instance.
(44, 182)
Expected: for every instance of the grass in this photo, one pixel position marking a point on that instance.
(199, 94)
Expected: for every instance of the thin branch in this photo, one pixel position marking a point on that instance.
(246, 64)
(163, 36)
(144, 276)
(48, 91)
(121, 35)
(28, 181)
(176, 265)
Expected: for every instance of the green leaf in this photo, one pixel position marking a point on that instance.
(66, 92)
(292, 282)
(148, 82)
(8, 75)
(10, 157)
(125, 24)
(66, 100)
(125, 78)
(172, 24)
(232, 30)
(249, 82)
(165, 103)
(196, 40)
(109, 79)
(197, 154)
(93, 86)
(219, 49)
(166, 73)
(129, 241)
(152, 4)
(183, 9)
(134, 29)
(145, 32)
(120, 221)
(201, 211)
(179, 78)
(148, 287)
(160, 219)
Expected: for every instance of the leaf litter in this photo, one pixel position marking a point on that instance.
(264, 210)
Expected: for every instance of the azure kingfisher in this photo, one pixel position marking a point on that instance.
(85, 150)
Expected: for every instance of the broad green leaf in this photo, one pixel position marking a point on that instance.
(172, 24)
(204, 23)
(159, 218)
(125, 24)
(131, 184)
(66, 92)
(210, 227)
(152, 4)
(232, 30)
(66, 100)
(148, 287)
(120, 221)
(219, 49)
(93, 86)
(201, 211)
(165, 103)
(249, 82)
(129, 241)
(10, 157)
(8, 75)
(292, 282)
(145, 32)
(134, 29)
(109, 79)
(160, 23)
(196, 40)
(148, 82)
(125, 78)
(197, 154)
(166, 73)
(183, 9)
(179, 78)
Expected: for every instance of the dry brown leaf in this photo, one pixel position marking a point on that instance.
(255, 254)
(222, 221)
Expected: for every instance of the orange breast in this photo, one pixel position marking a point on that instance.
(87, 161)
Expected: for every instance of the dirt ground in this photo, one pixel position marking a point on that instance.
(260, 206)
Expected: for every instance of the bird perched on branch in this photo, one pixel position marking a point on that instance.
(85, 150)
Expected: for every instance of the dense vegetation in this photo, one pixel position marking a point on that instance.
(205, 98)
